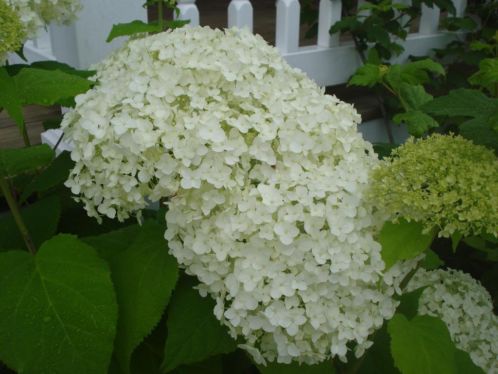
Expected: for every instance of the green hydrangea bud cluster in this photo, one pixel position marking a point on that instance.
(12, 32)
(444, 181)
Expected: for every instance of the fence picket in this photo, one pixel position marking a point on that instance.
(429, 21)
(240, 14)
(188, 11)
(329, 13)
(287, 32)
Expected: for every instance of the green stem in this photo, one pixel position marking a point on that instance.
(16, 213)
(25, 136)
(160, 15)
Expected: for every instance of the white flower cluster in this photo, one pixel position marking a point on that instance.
(265, 175)
(466, 308)
(34, 14)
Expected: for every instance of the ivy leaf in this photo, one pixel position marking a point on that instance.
(294, 368)
(414, 96)
(462, 102)
(194, 333)
(48, 87)
(367, 75)
(41, 219)
(417, 122)
(412, 73)
(17, 161)
(54, 175)
(131, 28)
(57, 309)
(9, 98)
(402, 241)
(421, 345)
(144, 276)
(487, 76)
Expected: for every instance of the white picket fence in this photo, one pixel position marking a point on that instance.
(329, 62)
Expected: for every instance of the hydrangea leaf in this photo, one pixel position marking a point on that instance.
(41, 219)
(113, 243)
(462, 102)
(56, 65)
(402, 241)
(480, 131)
(9, 98)
(409, 302)
(213, 365)
(464, 363)
(57, 309)
(431, 260)
(377, 358)
(144, 276)
(48, 87)
(194, 333)
(421, 345)
(274, 368)
(418, 122)
(22, 160)
(54, 175)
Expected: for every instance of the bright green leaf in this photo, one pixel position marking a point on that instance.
(367, 75)
(9, 98)
(144, 276)
(455, 240)
(402, 241)
(294, 368)
(56, 65)
(412, 73)
(41, 219)
(48, 87)
(462, 102)
(54, 175)
(15, 161)
(421, 345)
(57, 309)
(417, 122)
(194, 333)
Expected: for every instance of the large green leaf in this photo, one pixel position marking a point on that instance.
(421, 345)
(41, 219)
(409, 302)
(414, 73)
(378, 358)
(9, 98)
(54, 175)
(113, 243)
(462, 102)
(413, 95)
(274, 368)
(56, 65)
(464, 363)
(57, 309)
(15, 161)
(194, 333)
(48, 87)
(487, 76)
(480, 130)
(402, 241)
(144, 276)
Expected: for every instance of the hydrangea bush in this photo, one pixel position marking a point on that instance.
(12, 33)
(265, 177)
(443, 181)
(466, 308)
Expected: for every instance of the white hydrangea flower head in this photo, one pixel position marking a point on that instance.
(265, 176)
(466, 308)
(34, 14)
